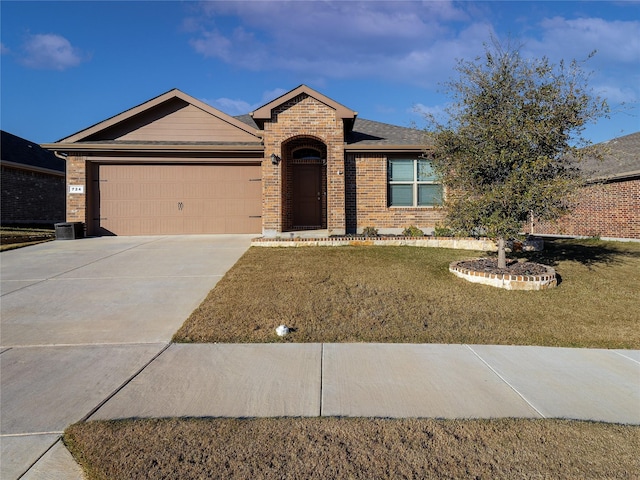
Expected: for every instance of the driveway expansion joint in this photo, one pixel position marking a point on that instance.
(124, 384)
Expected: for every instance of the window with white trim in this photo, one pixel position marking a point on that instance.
(412, 183)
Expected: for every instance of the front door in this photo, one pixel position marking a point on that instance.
(307, 196)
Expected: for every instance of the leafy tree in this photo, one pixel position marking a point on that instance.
(511, 145)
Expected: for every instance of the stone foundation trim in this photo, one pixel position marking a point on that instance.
(481, 244)
(508, 282)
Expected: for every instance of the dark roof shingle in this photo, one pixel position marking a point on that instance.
(18, 150)
(621, 159)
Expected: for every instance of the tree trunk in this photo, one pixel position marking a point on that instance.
(502, 256)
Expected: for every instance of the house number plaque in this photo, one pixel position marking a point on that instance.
(76, 188)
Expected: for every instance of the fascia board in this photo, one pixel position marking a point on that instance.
(264, 112)
(101, 147)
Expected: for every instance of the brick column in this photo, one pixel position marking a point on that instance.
(77, 202)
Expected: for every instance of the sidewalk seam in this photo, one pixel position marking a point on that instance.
(28, 434)
(124, 384)
(626, 357)
(59, 439)
(506, 382)
(321, 374)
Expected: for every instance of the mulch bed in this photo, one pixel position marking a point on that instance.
(514, 267)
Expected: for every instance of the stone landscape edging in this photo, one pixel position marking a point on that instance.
(506, 281)
(481, 244)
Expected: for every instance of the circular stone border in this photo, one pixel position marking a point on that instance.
(506, 281)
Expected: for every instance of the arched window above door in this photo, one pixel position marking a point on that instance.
(306, 153)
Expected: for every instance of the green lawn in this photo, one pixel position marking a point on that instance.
(406, 294)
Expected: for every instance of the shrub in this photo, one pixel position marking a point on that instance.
(412, 231)
(440, 231)
(370, 232)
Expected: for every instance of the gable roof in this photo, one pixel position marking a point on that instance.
(621, 159)
(21, 153)
(164, 99)
(371, 135)
(367, 134)
(342, 113)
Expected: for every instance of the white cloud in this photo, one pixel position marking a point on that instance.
(415, 43)
(617, 46)
(50, 52)
(272, 95)
(328, 39)
(616, 94)
(235, 107)
(617, 41)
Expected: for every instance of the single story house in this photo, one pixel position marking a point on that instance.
(609, 205)
(32, 182)
(175, 165)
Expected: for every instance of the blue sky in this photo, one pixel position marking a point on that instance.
(68, 65)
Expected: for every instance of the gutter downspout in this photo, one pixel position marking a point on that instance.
(60, 155)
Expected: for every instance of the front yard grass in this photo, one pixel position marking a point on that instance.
(406, 294)
(17, 237)
(322, 448)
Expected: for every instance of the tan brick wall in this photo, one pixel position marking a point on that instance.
(367, 195)
(604, 210)
(77, 202)
(302, 116)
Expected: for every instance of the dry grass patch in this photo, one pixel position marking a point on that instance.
(14, 237)
(406, 294)
(354, 448)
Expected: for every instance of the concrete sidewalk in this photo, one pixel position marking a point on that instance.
(275, 380)
(383, 380)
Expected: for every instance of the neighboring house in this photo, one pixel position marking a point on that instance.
(175, 165)
(609, 205)
(32, 181)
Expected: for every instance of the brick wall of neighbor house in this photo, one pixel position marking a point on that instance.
(76, 202)
(367, 198)
(31, 197)
(604, 210)
(303, 116)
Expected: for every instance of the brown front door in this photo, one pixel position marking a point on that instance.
(307, 196)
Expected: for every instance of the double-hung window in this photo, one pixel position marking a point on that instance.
(412, 183)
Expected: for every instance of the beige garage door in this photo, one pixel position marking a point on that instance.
(178, 199)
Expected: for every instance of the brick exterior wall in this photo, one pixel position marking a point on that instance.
(367, 204)
(299, 118)
(603, 210)
(30, 197)
(77, 202)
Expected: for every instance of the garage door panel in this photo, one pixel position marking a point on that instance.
(179, 199)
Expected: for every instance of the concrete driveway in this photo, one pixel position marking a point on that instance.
(80, 318)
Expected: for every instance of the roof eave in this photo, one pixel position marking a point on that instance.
(32, 168)
(264, 112)
(101, 147)
(618, 177)
(385, 148)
